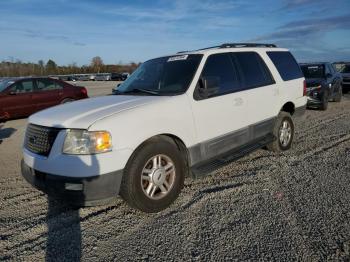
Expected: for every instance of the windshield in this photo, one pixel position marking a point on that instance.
(345, 69)
(313, 71)
(4, 83)
(162, 76)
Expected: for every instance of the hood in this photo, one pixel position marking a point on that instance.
(83, 113)
(311, 82)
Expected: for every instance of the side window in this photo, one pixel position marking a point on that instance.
(286, 65)
(23, 87)
(220, 66)
(47, 85)
(253, 69)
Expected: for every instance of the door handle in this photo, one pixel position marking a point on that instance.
(238, 101)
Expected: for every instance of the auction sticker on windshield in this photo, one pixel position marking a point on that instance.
(176, 58)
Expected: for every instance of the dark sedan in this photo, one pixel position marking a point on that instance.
(21, 97)
(323, 84)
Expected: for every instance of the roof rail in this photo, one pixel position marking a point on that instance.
(230, 45)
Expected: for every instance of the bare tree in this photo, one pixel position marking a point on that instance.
(97, 63)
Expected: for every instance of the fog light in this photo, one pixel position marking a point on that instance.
(73, 187)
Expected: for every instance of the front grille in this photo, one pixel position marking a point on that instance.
(39, 139)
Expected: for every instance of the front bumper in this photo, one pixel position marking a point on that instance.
(80, 191)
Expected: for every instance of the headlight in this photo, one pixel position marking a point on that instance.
(83, 142)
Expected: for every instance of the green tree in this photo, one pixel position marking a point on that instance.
(51, 67)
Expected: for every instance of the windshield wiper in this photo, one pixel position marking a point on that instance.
(139, 90)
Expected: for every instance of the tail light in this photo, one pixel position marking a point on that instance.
(304, 88)
(83, 91)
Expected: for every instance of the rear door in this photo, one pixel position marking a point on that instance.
(17, 100)
(260, 93)
(289, 78)
(46, 94)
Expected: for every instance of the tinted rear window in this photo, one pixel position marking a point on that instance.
(286, 65)
(253, 69)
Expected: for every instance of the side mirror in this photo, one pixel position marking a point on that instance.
(207, 87)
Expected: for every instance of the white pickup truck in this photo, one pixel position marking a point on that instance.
(175, 116)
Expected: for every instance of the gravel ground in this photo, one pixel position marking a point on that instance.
(292, 206)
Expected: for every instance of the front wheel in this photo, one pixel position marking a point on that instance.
(284, 133)
(154, 176)
(324, 102)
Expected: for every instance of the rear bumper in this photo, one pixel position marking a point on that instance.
(80, 191)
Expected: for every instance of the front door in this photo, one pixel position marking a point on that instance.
(220, 118)
(17, 101)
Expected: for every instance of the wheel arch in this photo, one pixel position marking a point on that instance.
(288, 107)
(178, 142)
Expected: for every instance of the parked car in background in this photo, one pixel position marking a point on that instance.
(323, 84)
(103, 77)
(175, 116)
(67, 78)
(344, 69)
(82, 77)
(21, 97)
(119, 76)
(125, 76)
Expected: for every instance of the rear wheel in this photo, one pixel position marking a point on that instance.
(284, 133)
(339, 95)
(67, 100)
(154, 176)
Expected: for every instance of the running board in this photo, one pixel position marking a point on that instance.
(208, 166)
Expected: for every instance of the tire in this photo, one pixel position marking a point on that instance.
(137, 191)
(67, 100)
(280, 144)
(339, 95)
(324, 103)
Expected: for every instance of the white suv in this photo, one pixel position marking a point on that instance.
(175, 116)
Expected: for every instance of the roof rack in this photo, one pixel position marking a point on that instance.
(233, 45)
(238, 45)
